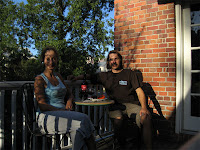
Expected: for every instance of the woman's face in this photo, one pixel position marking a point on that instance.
(50, 60)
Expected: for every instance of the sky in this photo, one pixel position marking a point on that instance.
(34, 51)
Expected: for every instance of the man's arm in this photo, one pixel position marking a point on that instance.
(94, 78)
(142, 99)
(80, 77)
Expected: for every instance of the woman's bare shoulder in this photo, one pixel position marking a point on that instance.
(39, 80)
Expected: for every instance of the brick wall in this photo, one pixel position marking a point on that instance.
(145, 35)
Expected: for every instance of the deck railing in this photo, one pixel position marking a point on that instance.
(13, 130)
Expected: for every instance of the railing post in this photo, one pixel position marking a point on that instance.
(89, 111)
(2, 93)
(24, 133)
(105, 119)
(101, 129)
(13, 118)
(95, 118)
(76, 95)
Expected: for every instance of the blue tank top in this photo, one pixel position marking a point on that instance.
(55, 94)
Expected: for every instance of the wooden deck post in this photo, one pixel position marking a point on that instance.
(2, 93)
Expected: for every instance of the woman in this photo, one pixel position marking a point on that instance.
(55, 117)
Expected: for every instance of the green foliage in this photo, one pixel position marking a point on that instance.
(7, 25)
(30, 69)
(79, 29)
(12, 45)
(16, 65)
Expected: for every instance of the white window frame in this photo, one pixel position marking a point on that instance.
(180, 69)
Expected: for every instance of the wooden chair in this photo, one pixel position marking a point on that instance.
(29, 107)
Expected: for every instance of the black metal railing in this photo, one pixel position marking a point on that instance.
(12, 127)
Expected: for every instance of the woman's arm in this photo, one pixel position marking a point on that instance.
(39, 87)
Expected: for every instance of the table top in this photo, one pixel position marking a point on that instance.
(96, 103)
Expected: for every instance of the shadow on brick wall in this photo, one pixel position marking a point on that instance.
(165, 1)
(161, 126)
(126, 40)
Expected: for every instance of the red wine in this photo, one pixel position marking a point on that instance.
(84, 89)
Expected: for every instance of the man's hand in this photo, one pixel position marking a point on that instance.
(71, 77)
(145, 111)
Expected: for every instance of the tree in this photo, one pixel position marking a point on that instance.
(77, 28)
(12, 33)
(8, 40)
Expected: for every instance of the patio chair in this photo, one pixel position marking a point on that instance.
(29, 108)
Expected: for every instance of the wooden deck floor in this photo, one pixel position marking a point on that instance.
(158, 144)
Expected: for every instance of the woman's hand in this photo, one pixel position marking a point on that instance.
(69, 105)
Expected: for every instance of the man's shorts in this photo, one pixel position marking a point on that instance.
(131, 109)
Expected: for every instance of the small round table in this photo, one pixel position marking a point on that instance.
(101, 105)
(96, 103)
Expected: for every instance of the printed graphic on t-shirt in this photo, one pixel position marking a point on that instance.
(123, 82)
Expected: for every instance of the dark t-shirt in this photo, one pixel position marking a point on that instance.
(120, 86)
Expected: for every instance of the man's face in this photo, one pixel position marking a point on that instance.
(114, 61)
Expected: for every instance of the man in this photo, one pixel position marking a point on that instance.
(121, 86)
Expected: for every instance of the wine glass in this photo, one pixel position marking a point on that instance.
(90, 92)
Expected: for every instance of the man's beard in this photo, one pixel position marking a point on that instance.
(118, 66)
